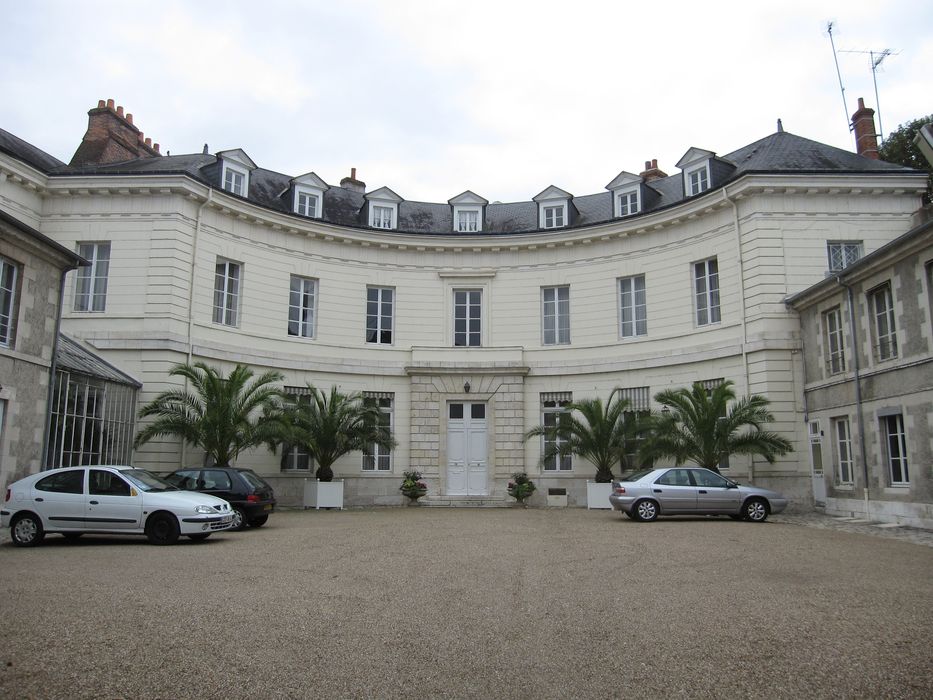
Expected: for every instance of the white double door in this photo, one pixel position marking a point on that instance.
(466, 449)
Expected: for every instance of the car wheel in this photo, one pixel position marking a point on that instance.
(646, 511)
(199, 537)
(162, 528)
(26, 530)
(239, 519)
(258, 521)
(755, 510)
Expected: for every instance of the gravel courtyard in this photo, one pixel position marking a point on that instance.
(512, 603)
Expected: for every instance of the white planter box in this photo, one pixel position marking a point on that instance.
(323, 494)
(557, 501)
(597, 495)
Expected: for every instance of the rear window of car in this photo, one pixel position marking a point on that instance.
(635, 476)
(71, 481)
(253, 479)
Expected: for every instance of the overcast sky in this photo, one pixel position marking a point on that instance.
(432, 98)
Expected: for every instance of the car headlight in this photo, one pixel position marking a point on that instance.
(204, 510)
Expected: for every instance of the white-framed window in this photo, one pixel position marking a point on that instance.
(639, 405)
(380, 308)
(375, 457)
(633, 307)
(833, 335)
(881, 307)
(627, 203)
(296, 457)
(308, 204)
(382, 216)
(9, 281)
(816, 447)
(555, 313)
(554, 215)
(468, 220)
(843, 253)
(697, 179)
(227, 276)
(91, 281)
(843, 440)
(235, 179)
(554, 413)
(468, 314)
(706, 291)
(895, 449)
(302, 306)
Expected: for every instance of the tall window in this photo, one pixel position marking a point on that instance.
(835, 352)
(554, 413)
(307, 204)
(468, 220)
(234, 181)
(302, 303)
(226, 292)
(295, 457)
(816, 447)
(706, 287)
(91, 282)
(8, 281)
(379, 312)
(375, 457)
(553, 216)
(843, 451)
(698, 180)
(895, 449)
(633, 307)
(628, 203)
(881, 307)
(843, 253)
(382, 217)
(639, 399)
(468, 317)
(556, 315)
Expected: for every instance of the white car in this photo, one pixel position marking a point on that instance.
(108, 500)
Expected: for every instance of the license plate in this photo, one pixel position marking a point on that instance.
(268, 506)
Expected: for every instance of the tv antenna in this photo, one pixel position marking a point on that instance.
(877, 58)
(842, 90)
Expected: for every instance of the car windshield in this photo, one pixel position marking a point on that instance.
(635, 476)
(253, 480)
(147, 481)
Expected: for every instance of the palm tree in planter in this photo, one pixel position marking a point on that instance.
(600, 433)
(221, 415)
(706, 427)
(328, 426)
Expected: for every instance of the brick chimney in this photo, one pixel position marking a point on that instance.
(866, 139)
(652, 171)
(352, 184)
(112, 138)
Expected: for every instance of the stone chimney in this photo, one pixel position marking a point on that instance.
(866, 139)
(112, 138)
(352, 184)
(652, 171)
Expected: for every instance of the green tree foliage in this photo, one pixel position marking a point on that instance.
(328, 426)
(707, 427)
(221, 415)
(900, 148)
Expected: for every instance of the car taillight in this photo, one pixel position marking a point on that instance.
(7, 498)
(619, 489)
(252, 498)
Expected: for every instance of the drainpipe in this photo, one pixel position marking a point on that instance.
(858, 390)
(53, 368)
(738, 246)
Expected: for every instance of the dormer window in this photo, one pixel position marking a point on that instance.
(628, 203)
(308, 204)
(697, 170)
(626, 191)
(235, 169)
(308, 195)
(468, 210)
(383, 208)
(697, 180)
(468, 220)
(553, 208)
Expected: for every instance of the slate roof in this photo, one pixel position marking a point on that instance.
(781, 152)
(72, 357)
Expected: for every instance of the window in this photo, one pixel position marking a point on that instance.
(468, 220)
(376, 457)
(835, 352)
(302, 302)
(633, 309)
(554, 216)
(379, 313)
(70, 481)
(705, 479)
(816, 447)
(295, 457)
(895, 449)
(843, 253)
(381, 217)
(843, 451)
(467, 317)
(706, 286)
(881, 307)
(226, 292)
(556, 314)
(91, 283)
(639, 400)
(628, 203)
(9, 274)
(697, 180)
(675, 477)
(234, 180)
(104, 483)
(307, 204)
(554, 413)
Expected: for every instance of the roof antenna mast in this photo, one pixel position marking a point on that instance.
(877, 57)
(842, 90)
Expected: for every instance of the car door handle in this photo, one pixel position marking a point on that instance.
(39, 500)
(93, 503)
(658, 491)
(701, 491)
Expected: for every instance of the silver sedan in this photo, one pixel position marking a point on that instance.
(691, 491)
